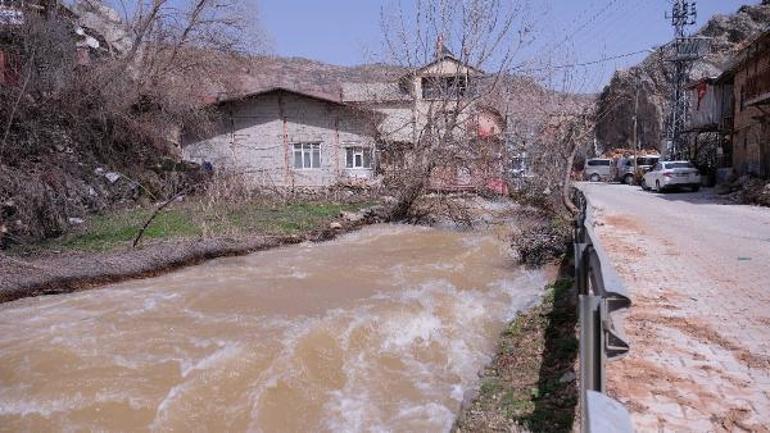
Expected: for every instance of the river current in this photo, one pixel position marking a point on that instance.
(382, 330)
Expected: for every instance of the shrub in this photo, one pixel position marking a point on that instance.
(542, 241)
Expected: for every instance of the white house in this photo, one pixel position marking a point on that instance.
(431, 97)
(286, 138)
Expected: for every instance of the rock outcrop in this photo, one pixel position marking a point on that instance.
(728, 34)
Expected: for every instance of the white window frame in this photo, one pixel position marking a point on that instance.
(358, 151)
(309, 156)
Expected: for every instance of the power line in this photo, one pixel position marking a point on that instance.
(589, 25)
(550, 47)
(589, 63)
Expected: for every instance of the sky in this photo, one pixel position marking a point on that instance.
(342, 32)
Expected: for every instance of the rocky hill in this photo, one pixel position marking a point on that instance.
(246, 75)
(728, 34)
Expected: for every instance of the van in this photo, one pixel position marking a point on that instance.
(597, 169)
(625, 168)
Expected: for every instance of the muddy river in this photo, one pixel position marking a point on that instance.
(382, 330)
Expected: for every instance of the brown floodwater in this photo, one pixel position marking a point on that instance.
(382, 330)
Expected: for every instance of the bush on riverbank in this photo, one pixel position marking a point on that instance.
(530, 386)
(542, 240)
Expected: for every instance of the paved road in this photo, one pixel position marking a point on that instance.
(699, 275)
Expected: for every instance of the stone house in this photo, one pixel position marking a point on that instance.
(280, 137)
(732, 110)
(751, 124)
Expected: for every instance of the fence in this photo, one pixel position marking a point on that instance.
(601, 293)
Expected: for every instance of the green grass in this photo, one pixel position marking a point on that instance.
(289, 219)
(193, 220)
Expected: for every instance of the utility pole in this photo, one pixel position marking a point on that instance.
(636, 127)
(685, 52)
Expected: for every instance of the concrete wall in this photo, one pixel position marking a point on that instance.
(257, 135)
(398, 124)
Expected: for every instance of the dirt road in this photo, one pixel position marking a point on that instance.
(699, 274)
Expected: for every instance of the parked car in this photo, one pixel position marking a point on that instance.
(597, 169)
(625, 172)
(667, 175)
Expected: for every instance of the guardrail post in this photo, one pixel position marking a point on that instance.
(591, 358)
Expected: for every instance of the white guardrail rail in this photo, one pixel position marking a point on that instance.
(601, 293)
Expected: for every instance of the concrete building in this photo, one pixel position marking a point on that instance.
(709, 126)
(286, 138)
(424, 103)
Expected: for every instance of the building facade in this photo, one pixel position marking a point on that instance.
(709, 126)
(287, 138)
(751, 136)
(436, 102)
(284, 138)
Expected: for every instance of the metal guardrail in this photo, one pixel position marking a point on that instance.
(601, 292)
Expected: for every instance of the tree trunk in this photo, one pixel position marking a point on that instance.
(566, 196)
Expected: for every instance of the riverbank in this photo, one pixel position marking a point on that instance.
(530, 385)
(185, 234)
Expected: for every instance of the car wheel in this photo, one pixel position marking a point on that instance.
(595, 178)
(644, 186)
(657, 186)
(629, 179)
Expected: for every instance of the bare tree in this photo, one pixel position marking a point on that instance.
(455, 55)
(77, 106)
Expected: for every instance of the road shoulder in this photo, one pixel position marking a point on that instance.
(688, 370)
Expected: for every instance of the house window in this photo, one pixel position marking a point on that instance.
(307, 155)
(358, 157)
(444, 87)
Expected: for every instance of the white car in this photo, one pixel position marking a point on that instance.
(668, 175)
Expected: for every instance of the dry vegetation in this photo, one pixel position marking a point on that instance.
(483, 36)
(66, 122)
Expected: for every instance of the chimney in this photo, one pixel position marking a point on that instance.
(440, 49)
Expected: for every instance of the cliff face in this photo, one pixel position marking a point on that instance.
(650, 79)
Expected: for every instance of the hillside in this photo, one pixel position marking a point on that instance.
(728, 33)
(252, 74)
